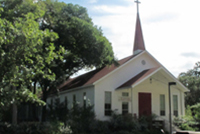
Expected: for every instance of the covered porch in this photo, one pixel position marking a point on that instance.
(147, 93)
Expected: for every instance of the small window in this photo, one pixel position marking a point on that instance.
(162, 105)
(175, 105)
(84, 99)
(124, 108)
(125, 94)
(107, 105)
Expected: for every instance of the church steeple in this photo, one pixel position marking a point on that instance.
(138, 41)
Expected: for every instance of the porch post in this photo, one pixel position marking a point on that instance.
(132, 101)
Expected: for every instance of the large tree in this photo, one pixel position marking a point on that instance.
(80, 43)
(191, 79)
(21, 51)
(83, 42)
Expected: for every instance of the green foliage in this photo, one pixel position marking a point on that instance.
(188, 122)
(45, 42)
(5, 114)
(185, 123)
(100, 127)
(191, 79)
(21, 51)
(13, 9)
(81, 119)
(76, 117)
(123, 123)
(195, 112)
(65, 130)
(58, 111)
(83, 43)
(128, 123)
(35, 128)
(59, 128)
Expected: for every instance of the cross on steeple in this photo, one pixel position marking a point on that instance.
(138, 2)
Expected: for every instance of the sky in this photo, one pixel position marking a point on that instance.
(171, 28)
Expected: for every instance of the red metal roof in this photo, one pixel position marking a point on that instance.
(91, 77)
(138, 78)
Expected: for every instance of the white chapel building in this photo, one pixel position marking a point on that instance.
(138, 86)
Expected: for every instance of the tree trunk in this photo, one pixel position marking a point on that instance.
(14, 114)
(35, 118)
(14, 111)
(44, 109)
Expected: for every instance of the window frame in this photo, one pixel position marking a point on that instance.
(175, 111)
(162, 108)
(108, 106)
(125, 110)
(125, 94)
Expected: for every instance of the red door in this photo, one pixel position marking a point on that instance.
(144, 104)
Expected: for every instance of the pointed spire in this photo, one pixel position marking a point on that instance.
(139, 41)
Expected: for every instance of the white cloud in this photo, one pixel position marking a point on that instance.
(191, 54)
(171, 29)
(119, 10)
(93, 1)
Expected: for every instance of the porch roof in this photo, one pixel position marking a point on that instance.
(150, 72)
(139, 77)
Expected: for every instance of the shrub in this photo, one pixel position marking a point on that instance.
(122, 132)
(80, 119)
(187, 122)
(23, 128)
(65, 130)
(99, 127)
(123, 122)
(5, 114)
(34, 128)
(195, 112)
(58, 111)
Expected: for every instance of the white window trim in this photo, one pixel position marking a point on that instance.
(105, 101)
(177, 103)
(160, 104)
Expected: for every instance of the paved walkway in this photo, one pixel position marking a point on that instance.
(186, 132)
